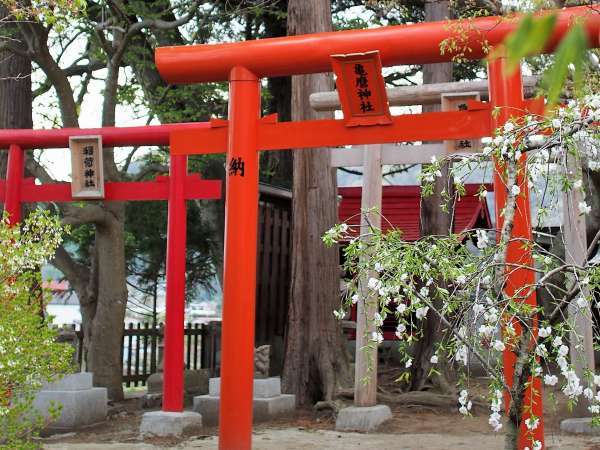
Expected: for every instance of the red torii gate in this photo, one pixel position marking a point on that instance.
(175, 188)
(245, 134)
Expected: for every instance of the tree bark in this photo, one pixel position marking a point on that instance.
(15, 88)
(433, 220)
(278, 166)
(107, 320)
(316, 361)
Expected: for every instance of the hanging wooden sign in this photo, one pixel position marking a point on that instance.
(458, 102)
(361, 88)
(87, 169)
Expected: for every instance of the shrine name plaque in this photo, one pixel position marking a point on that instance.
(87, 170)
(361, 88)
(458, 102)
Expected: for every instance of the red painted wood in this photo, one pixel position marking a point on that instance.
(402, 44)
(435, 126)
(14, 176)
(506, 93)
(239, 281)
(111, 136)
(401, 206)
(175, 301)
(195, 188)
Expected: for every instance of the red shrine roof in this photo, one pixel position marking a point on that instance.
(401, 207)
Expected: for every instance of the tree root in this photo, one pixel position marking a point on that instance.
(418, 398)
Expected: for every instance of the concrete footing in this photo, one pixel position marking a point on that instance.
(170, 424)
(268, 401)
(82, 404)
(580, 426)
(362, 418)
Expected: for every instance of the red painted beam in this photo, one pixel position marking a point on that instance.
(435, 126)
(402, 44)
(111, 136)
(195, 188)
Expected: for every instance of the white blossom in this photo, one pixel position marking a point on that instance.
(499, 346)
(461, 279)
(433, 359)
(531, 423)
(461, 354)
(495, 421)
(486, 330)
(515, 190)
(374, 283)
(584, 208)
(421, 312)
(545, 332)
(482, 239)
(478, 309)
(400, 329)
(563, 350)
(572, 388)
(562, 363)
(550, 380)
(376, 336)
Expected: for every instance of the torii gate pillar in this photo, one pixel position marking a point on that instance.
(239, 274)
(506, 93)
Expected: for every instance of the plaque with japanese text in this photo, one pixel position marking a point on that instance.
(361, 89)
(458, 102)
(87, 170)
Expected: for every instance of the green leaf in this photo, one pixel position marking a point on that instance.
(528, 39)
(570, 51)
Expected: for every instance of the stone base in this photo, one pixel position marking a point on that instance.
(362, 418)
(82, 404)
(170, 424)
(579, 426)
(263, 408)
(262, 387)
(195, 382)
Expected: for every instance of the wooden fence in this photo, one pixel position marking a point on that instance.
(141, 350)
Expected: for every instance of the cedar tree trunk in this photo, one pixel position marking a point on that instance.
(316, 360)
(433, 220)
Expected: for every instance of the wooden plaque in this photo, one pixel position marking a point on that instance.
(87, 169)
(361, 89)
(458, 102)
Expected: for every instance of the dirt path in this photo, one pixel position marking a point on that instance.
(295, 439)
(413, 427)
